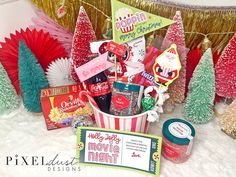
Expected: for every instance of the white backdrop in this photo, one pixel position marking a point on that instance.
(15, 15)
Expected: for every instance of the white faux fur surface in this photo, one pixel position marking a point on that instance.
(25, 134)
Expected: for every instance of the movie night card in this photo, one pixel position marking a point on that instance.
(126, 150)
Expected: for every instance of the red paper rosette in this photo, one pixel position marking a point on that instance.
(43, 46)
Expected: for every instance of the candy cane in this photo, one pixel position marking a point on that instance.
(90, 98)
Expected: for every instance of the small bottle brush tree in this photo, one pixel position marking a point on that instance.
(32, 79)
(228, 120)
(175, 34)
(83, 35)
(9, 99)
(199, 102)
(226, 71)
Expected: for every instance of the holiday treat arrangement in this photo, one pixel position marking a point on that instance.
(110, 90)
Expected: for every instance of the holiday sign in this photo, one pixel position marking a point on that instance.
(129, 23)
(113, 148)
(167, 66)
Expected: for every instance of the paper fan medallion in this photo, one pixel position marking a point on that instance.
(45, 48)
(58, 73)
(42, 21)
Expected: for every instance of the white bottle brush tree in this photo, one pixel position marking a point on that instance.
(9, 99)
(199, 102)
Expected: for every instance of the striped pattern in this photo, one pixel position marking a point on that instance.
(127, 28)
(138, 123)
(165, 71)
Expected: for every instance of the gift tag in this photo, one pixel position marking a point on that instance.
(116, 48)
(167, 66)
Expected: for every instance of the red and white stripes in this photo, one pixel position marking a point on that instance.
(136, 123)
(125, 28)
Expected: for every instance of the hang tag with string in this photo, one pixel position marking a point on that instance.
(62, 9)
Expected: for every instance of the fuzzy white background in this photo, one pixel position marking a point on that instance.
(25, 134)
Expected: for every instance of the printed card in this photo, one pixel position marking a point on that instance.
(93, 67)
(128, 150)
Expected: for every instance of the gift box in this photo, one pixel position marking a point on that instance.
(61, 104)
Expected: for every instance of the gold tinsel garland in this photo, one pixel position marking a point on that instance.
(195, 19)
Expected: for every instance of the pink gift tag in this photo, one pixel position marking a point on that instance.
(93, 67)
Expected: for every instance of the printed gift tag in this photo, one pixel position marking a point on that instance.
(134, 151)
(93, 67)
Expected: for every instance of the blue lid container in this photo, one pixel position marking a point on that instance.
(178, 131)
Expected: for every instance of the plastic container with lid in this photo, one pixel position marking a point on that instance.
(178, 138)
(126, 99)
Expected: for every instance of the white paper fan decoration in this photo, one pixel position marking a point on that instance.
(58, 73)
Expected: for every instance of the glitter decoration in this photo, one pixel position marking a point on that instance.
(81, 121)
(225, 71)
(175, 34)
(228, 120)
(32, 79)
(199, 102)
(58, 73)
(8, 97)
(83, 35)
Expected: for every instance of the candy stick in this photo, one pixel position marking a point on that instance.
(90, 98)
(115, 62)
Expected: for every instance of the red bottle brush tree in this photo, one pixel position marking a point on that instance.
(83, 35)
(225, 71)
(175, 34)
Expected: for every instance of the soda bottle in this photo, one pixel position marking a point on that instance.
(100, 90)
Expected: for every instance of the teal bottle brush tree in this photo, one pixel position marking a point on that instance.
(32, 79)
(9, 99)
(199, 102)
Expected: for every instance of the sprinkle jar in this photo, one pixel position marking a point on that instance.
(126, 99)
(178, 138)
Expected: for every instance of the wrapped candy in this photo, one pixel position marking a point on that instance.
(153, 102)
(148, 103)
(81, 121)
